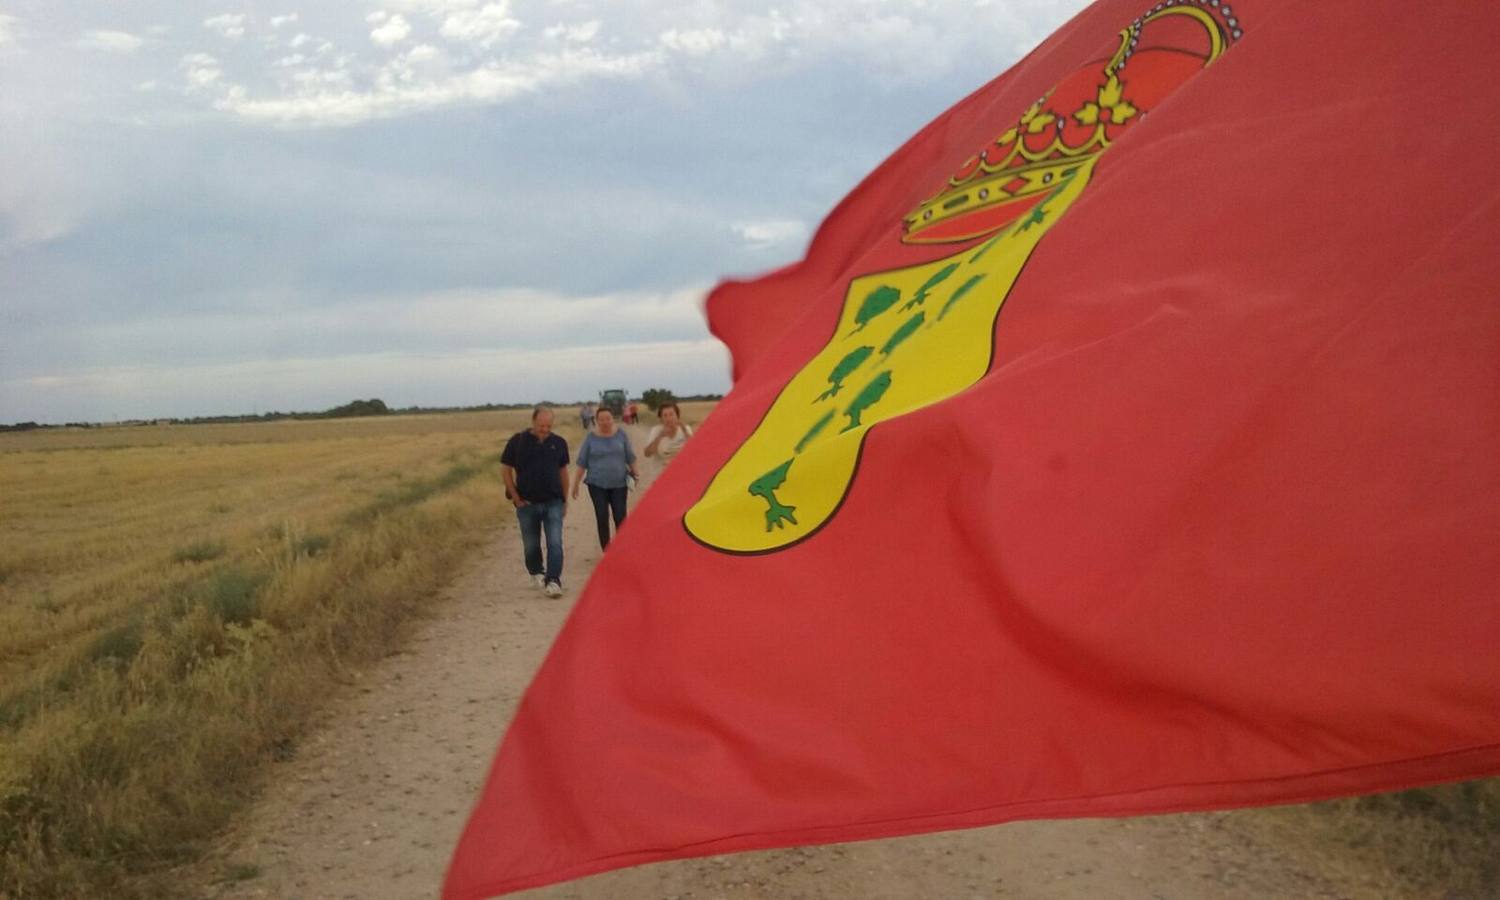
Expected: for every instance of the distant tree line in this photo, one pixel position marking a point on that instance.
(374, 407)
(32, 426)
(651, 398)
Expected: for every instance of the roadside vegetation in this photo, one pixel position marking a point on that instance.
(174, 605)
(1440, 843)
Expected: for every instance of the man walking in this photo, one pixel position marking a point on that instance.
(535, 467)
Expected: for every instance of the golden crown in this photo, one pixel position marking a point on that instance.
(1078, 119)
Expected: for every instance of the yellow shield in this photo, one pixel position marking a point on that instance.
(905, 339)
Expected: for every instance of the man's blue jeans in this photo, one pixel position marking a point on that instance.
(536, 518)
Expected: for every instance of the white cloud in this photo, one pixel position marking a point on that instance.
(897, 38)
(394, 31)
(549, 319)
(334, 80)
(230, 25)
(201, 70)
(757, 35)
(448, 320)
(765, 234)
(28, 217)
(278, 21)
(581, 33)
(484, 26)
(328, 97)
(111, 41)
(7, 29)
(423, 63)
(146, 87)
(493, 59)
(694, 41)
(45, 194)
(434, 8)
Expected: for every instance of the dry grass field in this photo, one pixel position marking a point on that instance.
(173, 601)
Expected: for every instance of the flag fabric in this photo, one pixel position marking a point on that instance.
(1127, 442)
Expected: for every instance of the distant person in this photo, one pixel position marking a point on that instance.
(605, 459)
(585, 416)
(535, 468)
(665, 439)
(631, 413)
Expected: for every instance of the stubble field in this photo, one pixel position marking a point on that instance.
(175, 599)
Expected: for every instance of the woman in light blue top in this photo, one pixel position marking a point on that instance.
(604, 460)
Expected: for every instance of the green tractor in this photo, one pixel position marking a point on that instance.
(613, 400)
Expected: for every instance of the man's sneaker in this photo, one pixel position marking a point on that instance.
(554, 589)
(538, 580)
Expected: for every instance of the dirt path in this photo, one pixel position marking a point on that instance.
(372, 803)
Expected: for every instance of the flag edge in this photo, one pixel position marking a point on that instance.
(1409, 772)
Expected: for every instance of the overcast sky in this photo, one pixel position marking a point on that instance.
(213, 208)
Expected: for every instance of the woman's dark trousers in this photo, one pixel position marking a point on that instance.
(607, 500)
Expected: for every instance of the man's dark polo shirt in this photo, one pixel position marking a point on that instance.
(538, 465)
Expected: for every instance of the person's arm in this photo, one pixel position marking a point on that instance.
(578, 473)
(653, 439)
(630, 458)
(509, 474)
(508, 459)
(582, 464)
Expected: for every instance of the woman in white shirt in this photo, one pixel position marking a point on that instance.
(666, 439)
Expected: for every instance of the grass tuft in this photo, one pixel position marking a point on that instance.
(118, 645)
(313, 544)
(231, 595)
(1441, 842)
(239, 872)
(200, 552)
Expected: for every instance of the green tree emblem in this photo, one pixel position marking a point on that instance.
(907, 329)
(876, 302)
(813, 432)
(937, 278)
(868, 396)
(844, 369)
(765, 487)
(959, 294)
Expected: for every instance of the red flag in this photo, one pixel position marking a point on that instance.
(1210, 516)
